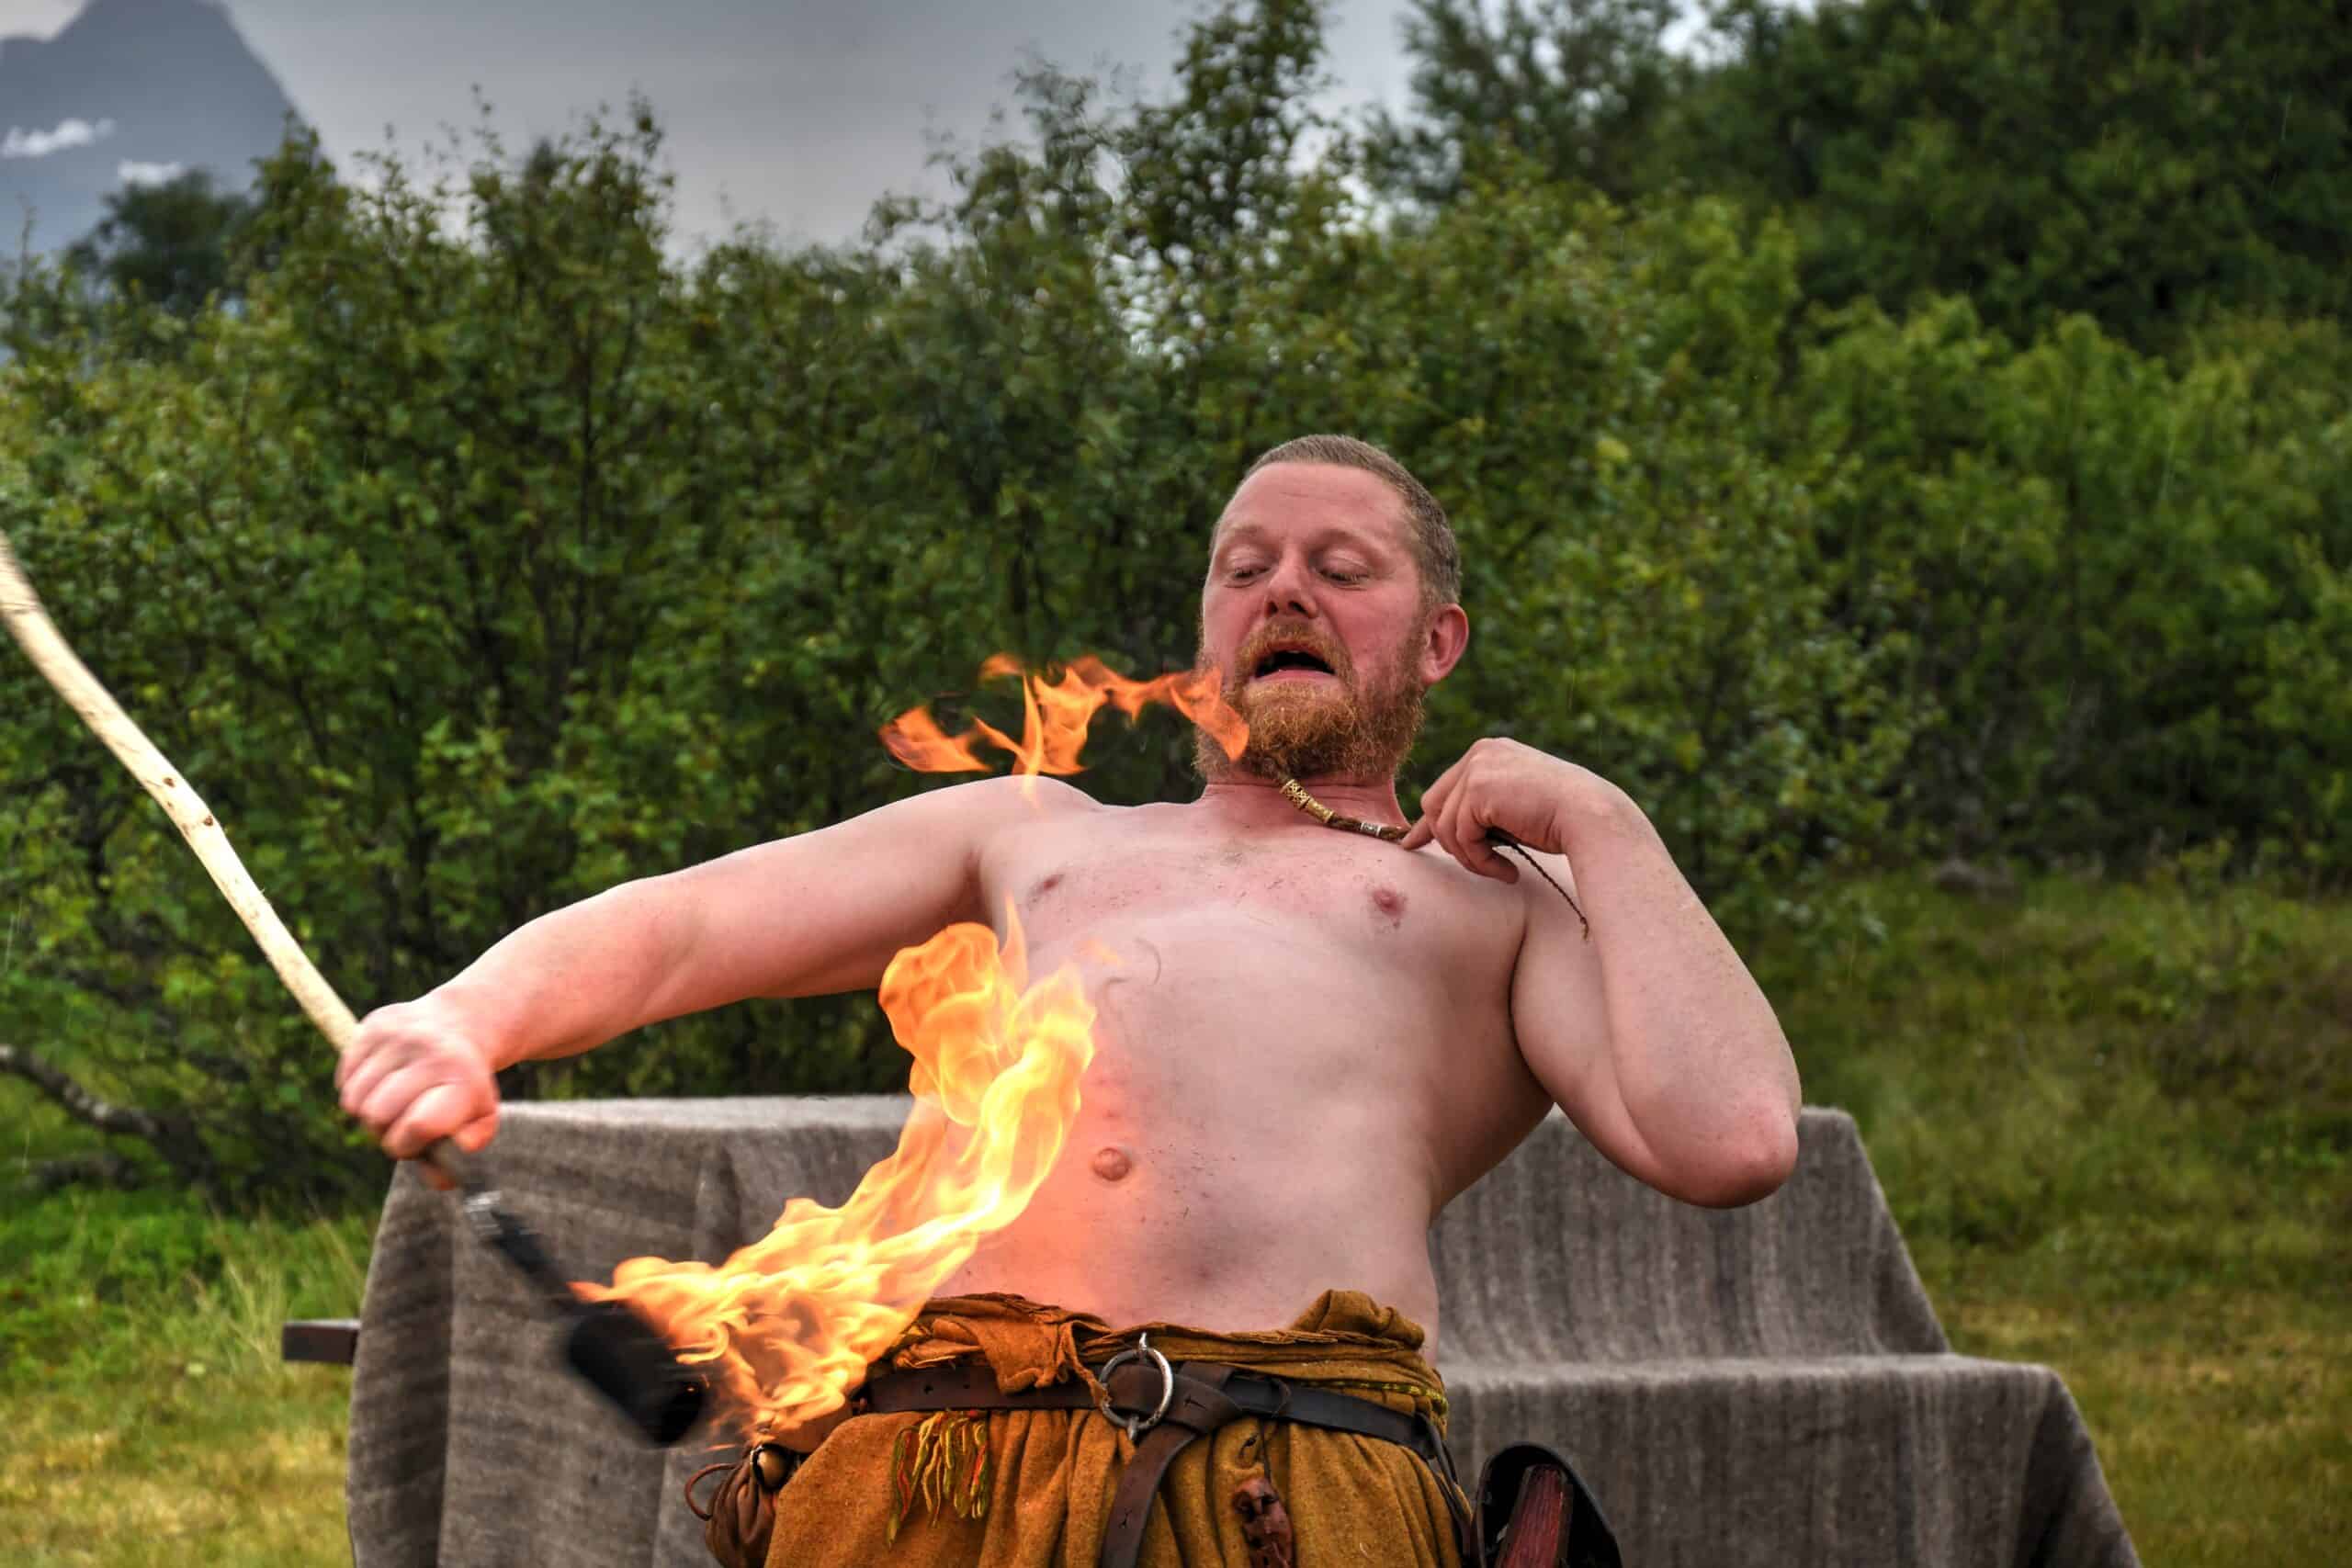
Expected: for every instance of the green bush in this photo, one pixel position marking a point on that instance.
(2117, 587)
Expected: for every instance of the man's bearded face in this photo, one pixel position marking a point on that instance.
(1312, 611)
(1304, 723)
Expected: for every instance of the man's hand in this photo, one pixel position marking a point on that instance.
(1534, 797)
(414, 1075)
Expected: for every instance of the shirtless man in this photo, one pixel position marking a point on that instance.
(1319, 1038)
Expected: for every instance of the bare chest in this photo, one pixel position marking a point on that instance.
(1363, 900)
(1301, 1034)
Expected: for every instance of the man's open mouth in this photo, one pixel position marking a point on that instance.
(1284, 661)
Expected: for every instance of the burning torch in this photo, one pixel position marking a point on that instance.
(609, 1343)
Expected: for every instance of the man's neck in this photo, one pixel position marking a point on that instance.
(1250, 800)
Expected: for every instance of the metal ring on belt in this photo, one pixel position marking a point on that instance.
(1137, 1426)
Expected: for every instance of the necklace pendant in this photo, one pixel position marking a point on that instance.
(1295, 793)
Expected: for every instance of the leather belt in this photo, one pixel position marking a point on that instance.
(1164, 1408)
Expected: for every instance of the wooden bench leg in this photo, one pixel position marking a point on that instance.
(332, 1340)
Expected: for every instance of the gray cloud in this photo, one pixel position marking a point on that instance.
(797, 113)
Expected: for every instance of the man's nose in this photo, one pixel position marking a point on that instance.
(1290, 589)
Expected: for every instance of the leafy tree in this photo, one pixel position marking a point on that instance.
(1576, 87)
(1213, 191)
(2147, 163)
(381, 561)
(2114, 581)
(173, 245)
(2142, 162)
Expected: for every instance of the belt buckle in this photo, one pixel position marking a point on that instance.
(1136, 1426)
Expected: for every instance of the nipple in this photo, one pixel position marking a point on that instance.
(1112, 1163)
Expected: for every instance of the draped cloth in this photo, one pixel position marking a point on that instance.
(1741, 1388)
(1032, 1488)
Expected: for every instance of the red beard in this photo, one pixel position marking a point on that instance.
(1319, 727)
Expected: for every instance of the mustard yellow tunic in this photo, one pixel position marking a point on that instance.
(1032, 1488)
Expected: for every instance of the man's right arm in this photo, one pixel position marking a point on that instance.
(806, 915)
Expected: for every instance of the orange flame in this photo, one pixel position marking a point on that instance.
(1054, 715)
(786, 1326)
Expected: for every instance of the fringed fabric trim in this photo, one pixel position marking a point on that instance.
(940, 1461)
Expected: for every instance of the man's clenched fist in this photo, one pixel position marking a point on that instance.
(414, 1075)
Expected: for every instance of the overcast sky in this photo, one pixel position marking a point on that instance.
(797, 112)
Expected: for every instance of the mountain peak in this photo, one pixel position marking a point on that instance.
(114, 8)
(130, 90)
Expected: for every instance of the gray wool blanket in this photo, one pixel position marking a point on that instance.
(1762, 1386)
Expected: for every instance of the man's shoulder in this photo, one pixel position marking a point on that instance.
(1011, 800)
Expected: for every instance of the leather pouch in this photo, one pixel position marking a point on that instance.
(1513, 1503)
(740, 1519)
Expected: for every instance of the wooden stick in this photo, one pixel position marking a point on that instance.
(30, 624)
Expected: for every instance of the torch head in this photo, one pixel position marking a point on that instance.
(619, 1351)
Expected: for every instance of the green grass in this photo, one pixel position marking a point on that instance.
(145, 1413)
(2115, 1123)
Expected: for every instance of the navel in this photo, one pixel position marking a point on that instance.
(1111, 1163)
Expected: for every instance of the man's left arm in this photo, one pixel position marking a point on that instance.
(1651, 1034)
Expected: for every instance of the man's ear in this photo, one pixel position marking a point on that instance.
(1443, 643)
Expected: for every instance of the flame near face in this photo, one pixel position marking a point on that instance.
(1056, 715)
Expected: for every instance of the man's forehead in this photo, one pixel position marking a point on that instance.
(1293, 497)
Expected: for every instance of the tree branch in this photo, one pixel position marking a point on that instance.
(84, 1171)
(79, 1102)
(166, 1135)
